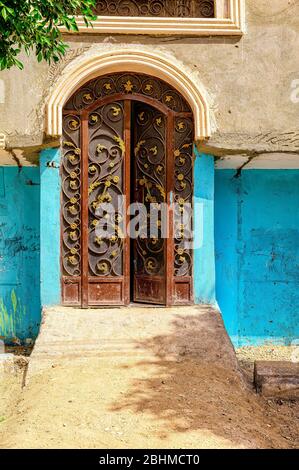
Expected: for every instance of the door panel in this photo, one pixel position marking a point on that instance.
(150, 190)
(183, 216)
(106, 205)
(71, 239)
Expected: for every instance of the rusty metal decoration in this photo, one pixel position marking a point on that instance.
(127, 84)
(105, 187)
(150, 190)
(183, 189)
(156, 8)
(126, 138)
(71, 205)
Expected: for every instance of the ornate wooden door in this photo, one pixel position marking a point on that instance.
(127, 139)
(150, 179)
(96, 268)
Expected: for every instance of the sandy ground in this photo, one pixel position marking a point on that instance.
(196, 398)
(129, 404)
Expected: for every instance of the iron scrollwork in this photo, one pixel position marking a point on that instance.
(126, 83)
(150, 184)
(159, 8)
(105, 179)
(71, 196)
(183, 189)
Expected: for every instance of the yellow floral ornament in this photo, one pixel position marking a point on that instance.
(73, 260)
(154, 150)
(116, 110)
(87, 97)
(128, 86)
(168, 98)
(100, 148)
(74, 124)
(121, 143)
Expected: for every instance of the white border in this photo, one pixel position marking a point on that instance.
(234, 25)
(98, 61)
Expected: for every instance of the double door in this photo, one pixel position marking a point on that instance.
(127, 205)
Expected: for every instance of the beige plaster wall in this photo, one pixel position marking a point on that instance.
(249, 80)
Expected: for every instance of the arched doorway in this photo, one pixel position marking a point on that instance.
(127, 139)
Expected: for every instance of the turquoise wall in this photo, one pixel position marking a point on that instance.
(50, 227)
(255, 237)
(204, 253)
(19, 252)
(257, 254)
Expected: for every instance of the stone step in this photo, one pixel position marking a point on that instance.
(156, 334)
(277, 379)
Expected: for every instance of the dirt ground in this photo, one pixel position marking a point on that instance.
(128, 403)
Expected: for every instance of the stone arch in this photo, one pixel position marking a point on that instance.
(99, 61)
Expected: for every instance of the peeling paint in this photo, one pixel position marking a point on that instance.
(19, 253)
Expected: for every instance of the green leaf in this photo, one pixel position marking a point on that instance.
(4, 13)
(34, 25)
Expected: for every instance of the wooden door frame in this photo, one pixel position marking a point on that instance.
(170, 115)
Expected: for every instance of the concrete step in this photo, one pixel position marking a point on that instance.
(277, 379)
(155, 333)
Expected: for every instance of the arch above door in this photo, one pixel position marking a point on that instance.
(97, 62)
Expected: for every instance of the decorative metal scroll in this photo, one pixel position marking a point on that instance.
(126, 84)
(162, 8)
(106, 186)
(150, 188)
(71, 196)
(95, 161)
(183, 190)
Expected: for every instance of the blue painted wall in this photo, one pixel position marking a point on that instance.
(256, 236)
(19, 253)
(204, 253)
(50, 227)
(257, 254)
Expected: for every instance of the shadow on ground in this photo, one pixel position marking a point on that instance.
(140, 378)
(195, 386)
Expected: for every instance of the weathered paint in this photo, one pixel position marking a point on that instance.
(257, 254)
(19, 252)
(50, 227)
(204, 254)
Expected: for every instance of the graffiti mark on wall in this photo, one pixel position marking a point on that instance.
(12, 314)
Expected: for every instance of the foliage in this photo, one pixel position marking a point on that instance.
(33, 25)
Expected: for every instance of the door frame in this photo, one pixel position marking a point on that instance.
(170, 115)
